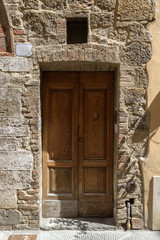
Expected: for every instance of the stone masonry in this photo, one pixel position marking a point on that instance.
(117, 40)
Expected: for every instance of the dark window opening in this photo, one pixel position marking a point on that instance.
(77, 30)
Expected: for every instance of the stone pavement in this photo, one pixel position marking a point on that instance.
(81, 235)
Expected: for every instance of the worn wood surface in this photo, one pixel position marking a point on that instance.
(60, 208)
(96, 149)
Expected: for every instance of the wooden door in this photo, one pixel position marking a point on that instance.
(77, 144)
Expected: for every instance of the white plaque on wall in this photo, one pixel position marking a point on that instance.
(24, 50)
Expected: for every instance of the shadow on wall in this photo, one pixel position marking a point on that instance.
(155, 115)
(150, 120)
(154, 127)
(149, 123)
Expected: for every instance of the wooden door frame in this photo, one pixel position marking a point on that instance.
(93, 67)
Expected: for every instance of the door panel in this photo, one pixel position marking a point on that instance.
(60, 180)
(92, 208)
(77, 144)
(60, 120)
(94, 112)
(94, 180)
(95, 152)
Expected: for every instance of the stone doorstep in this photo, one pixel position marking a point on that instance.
(78, 224)
(22, 237)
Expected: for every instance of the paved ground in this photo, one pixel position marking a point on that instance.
(82, 235)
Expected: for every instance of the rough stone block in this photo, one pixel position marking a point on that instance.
(14, 80)
(16, 64)
(30, 4)
(137, 223)
(56, 4)
(4, 79)
(119, 35)
(135, 53)
(14, 179)
(9, 217)
(135, 99)
(15, 160)
(137, 32)
(122, 215)
(17, 79)
(111, 55)
(28, 207)
(14, 131)
(134, 211)
(102, 20)
(13, 122)
(80, 4)
(136, 9)
(106, 4)
(15, 16)
(40, 23)
(8, 199)
(10, 102)
(7, 144)
(103, 55)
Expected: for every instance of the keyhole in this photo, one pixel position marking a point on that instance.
(96, 115)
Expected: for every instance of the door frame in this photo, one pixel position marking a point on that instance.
(89, 66)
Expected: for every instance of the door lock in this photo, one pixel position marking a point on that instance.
(95, 115)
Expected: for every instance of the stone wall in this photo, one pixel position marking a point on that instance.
(118, 40)
(19, 119)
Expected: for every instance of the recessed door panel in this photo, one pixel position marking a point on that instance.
(60, 120)
(94, 118)
(77, 144)
(95, 180)
(60, 180)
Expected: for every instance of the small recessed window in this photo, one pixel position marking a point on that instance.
(77, 30)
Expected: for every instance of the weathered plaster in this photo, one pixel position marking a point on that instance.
(151, 162)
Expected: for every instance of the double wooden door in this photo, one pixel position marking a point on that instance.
(77, 111)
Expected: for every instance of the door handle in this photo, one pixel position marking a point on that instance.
(80, 139)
